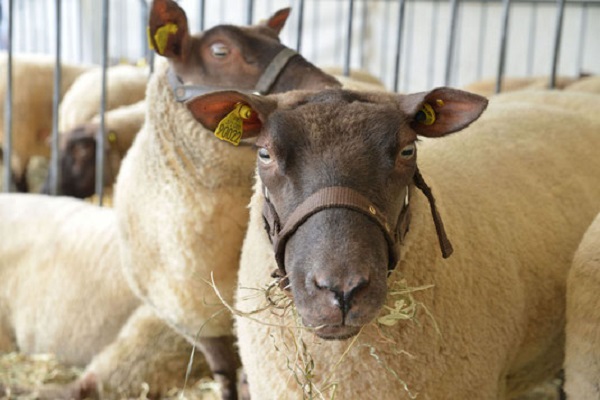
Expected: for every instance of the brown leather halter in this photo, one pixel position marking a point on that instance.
(344, 197)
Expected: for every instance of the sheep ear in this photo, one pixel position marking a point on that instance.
(232, 115)
(168, 29)
(277, 20)
(443, 110)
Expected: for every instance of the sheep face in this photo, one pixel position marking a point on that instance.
(77, 163)
(226, 56)
(337, 259)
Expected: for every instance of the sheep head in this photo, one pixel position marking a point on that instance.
(337, 259)
(227, 56)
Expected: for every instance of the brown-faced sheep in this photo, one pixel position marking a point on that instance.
(77, 150)
(181, 194)
(516, 191)
(582, 355)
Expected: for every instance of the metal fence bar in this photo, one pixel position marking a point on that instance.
(435, 13)
(482, 35)
(249, 12)
(348, 52)
(451, 38)
(503, 44)
(8, 103)
(531, 41)
(558, 34)
(401, 9)
(582, 37)
(300, 25)
(364, 17)
(409, 45)
(384, 39)
(54, 170)
(100, 137)
(201, 17)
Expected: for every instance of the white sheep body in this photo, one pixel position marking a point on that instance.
(498, 300)
(582, 372)
(62, 291)
(33, 86)
(184, 192)
(589, 84)
(125, 84)
(487, 87)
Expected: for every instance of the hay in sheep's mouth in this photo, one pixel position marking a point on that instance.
(291, 339)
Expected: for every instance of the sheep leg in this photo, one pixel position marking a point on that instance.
(223, 361)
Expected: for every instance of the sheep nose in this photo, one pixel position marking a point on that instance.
(343, 289)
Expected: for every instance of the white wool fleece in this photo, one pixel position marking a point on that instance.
(516, 190)
(181, 200)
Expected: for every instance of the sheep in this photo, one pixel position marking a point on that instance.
(181, 194)
(77, 150)
(157, 163)
(62, 292)
(33, 88)
(125, 85)
(487, 87)
(516, 191)
(587, 84)
(582, 372)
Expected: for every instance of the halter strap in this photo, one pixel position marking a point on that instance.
(333, 197)
(184, 92)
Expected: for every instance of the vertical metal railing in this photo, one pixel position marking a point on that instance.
(483, 17)
(560, 5)
(100, 137)
(503, 44)
(7, 148)
(202, 15)
(300, 26)
(408, 53)
(435, 13)
(54, 159)
(348, 47)
(531, 40)
(249, 12)
(451, 41)
(583, 23)
(401, 9)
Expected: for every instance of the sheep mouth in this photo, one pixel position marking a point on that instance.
(336, 332)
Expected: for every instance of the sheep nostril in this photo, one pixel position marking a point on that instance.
(343, 292)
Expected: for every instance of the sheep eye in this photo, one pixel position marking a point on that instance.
(264, 156)
(408, 151)
(219, 50)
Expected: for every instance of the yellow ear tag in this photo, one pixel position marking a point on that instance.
(112, 137)
(231, 128)
(440, 102)
(161, 37)
(428, 116)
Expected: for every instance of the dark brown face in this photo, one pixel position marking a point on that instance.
(228, 56)
(337, 261)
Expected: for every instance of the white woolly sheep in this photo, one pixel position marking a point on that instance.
(582, 371)
(516, 190)
(189, 206)
(589, 84)
(125, 85)
(487, 87)
(77, 150)
(33, 86)
(181, 194)
(62, 291)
